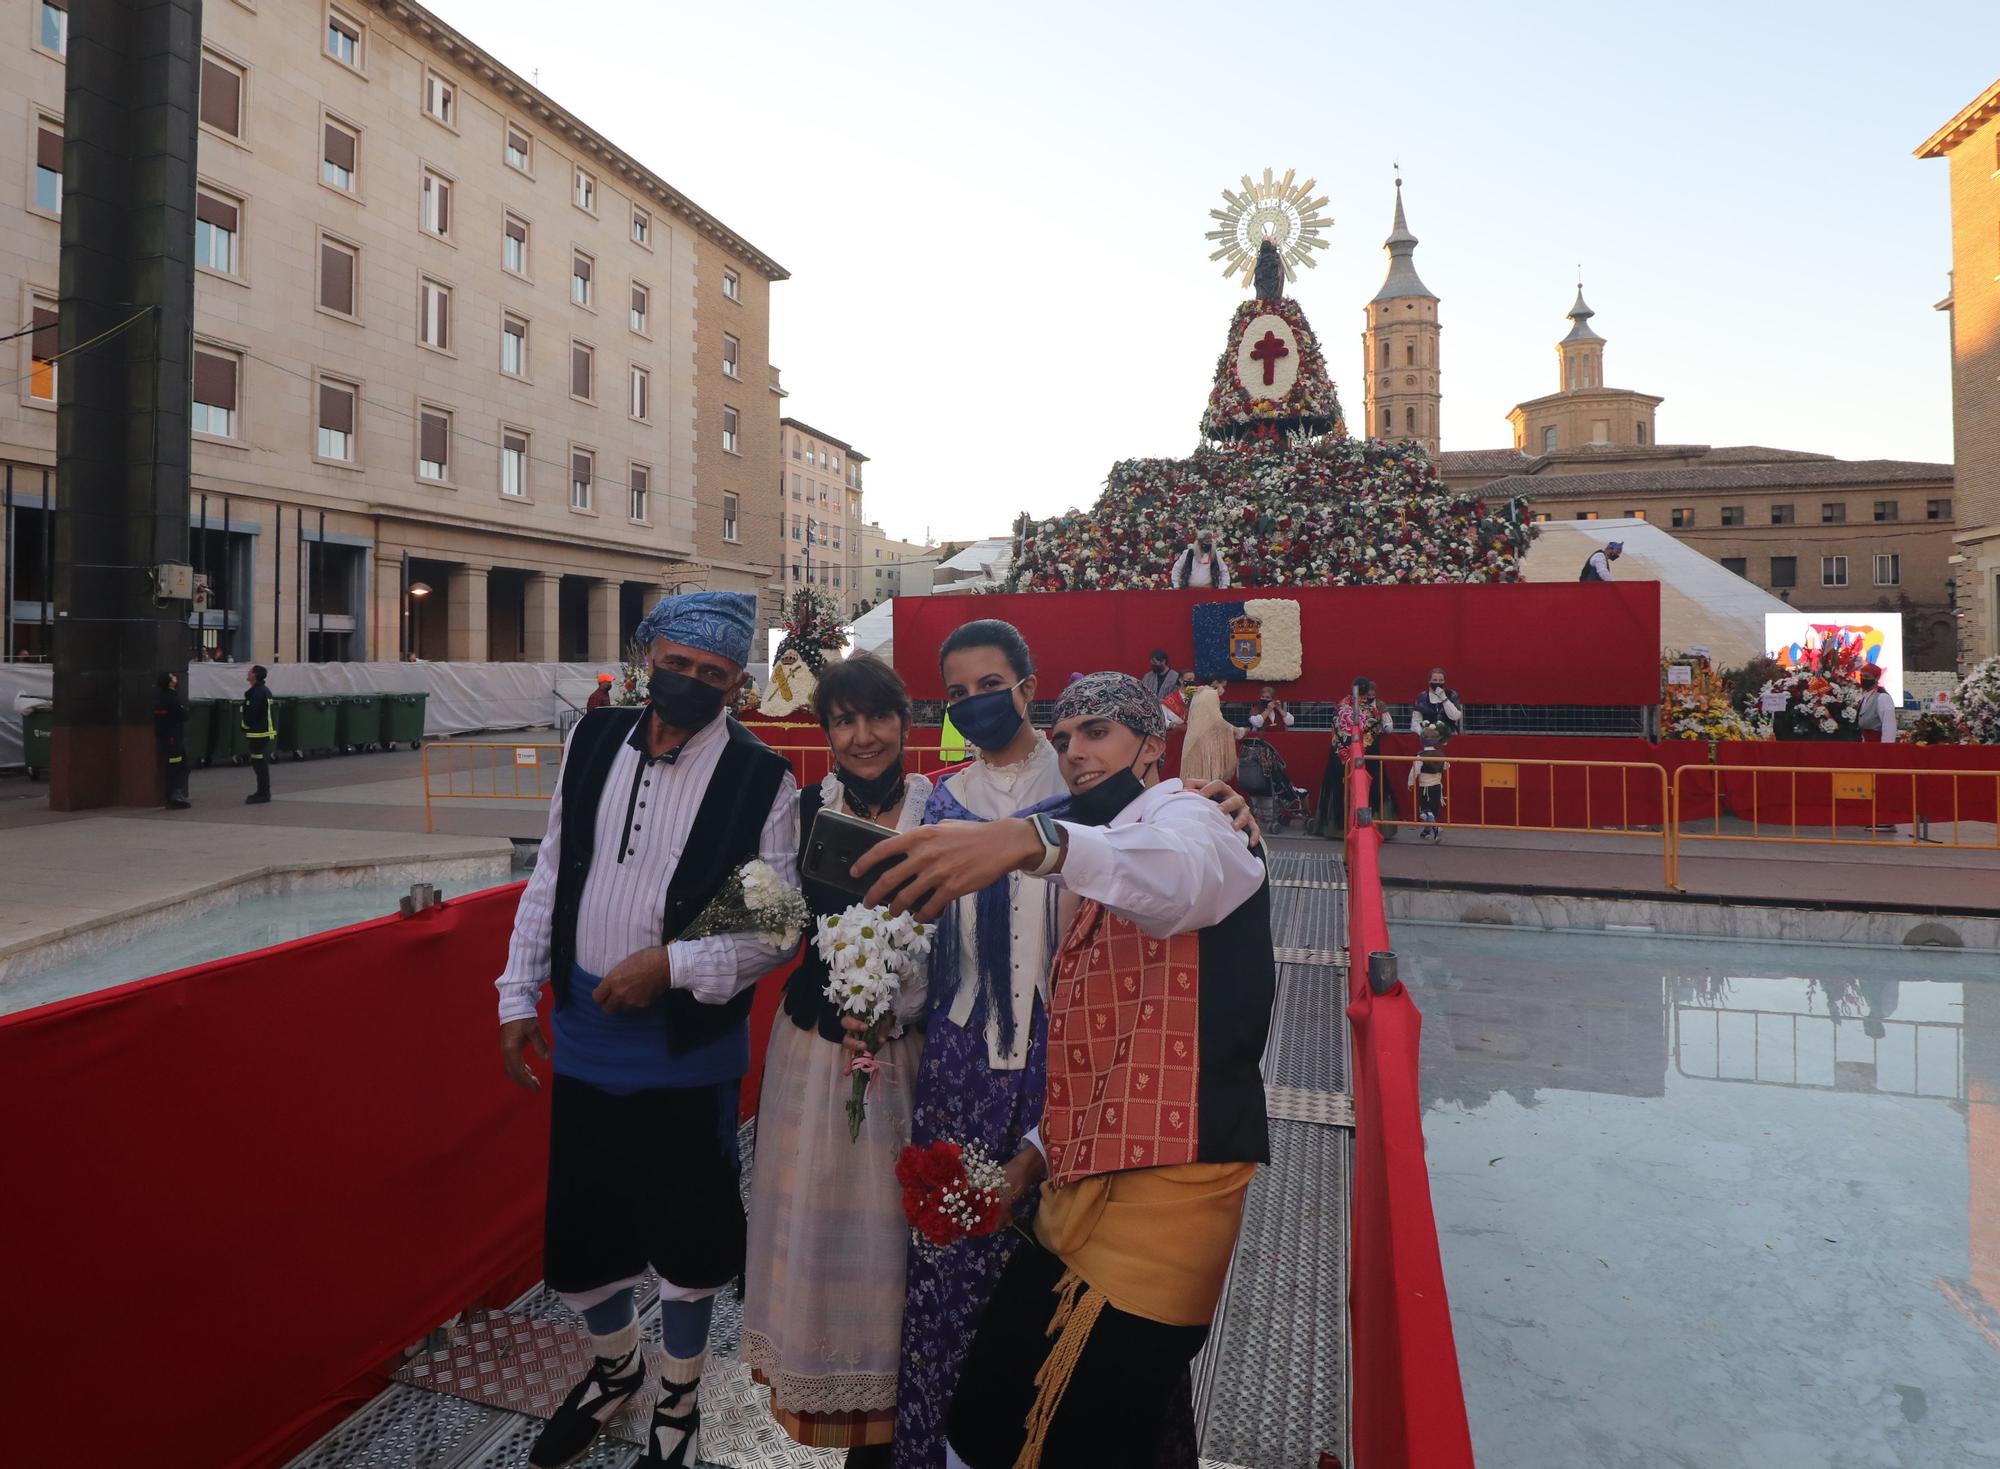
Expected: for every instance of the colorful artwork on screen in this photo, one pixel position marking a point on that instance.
(1797, 639)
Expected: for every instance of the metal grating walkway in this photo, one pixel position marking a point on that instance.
(1271, 1387)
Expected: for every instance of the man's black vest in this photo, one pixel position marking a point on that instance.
(726, 833)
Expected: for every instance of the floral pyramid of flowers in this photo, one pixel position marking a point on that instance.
(1328, 511)
(813, 628)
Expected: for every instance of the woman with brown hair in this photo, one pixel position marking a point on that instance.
(823, 1300)
(1208, 750)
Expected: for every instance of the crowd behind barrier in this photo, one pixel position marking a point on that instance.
(1407, 1400)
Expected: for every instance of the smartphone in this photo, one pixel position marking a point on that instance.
(835, 844)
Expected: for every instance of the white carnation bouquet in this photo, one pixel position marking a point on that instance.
(869, 957)
(754, 900)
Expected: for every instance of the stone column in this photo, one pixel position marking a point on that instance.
(385, 631)
(465, 641)
(543, 613)
(607, 639)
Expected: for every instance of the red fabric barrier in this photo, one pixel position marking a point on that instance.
(1545, 643)
(1408, 1405)
(254, 1182)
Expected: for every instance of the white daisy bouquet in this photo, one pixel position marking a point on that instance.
(869, 958)
(756, 901)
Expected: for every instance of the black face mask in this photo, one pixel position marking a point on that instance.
(870, 793)
(1208, 545)
(1106, 799)
(682, 702)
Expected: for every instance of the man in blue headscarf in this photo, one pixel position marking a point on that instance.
(657, 806)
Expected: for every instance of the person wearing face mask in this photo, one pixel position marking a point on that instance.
(1437, 705)
(823, 1301)
(1153, 1121)
(657, 805)
(1201, 565)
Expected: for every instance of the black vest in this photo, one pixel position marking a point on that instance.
(1239, 988)
(727, 830)
(805, 991)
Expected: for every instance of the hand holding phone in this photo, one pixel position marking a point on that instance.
(835, 844)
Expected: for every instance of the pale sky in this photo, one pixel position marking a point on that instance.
(993, 216)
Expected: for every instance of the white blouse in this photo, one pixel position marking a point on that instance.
(917, 795)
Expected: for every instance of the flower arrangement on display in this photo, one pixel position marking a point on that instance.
(1977, 700)
(754, 900)
(950, 1192)
(1822, 701)
(870, 958)
(813, 634)
(634, 675)
(1936, 727)
(1291, 500)
(1702, 708)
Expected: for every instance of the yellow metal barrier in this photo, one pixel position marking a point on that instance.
(465, 770)
(1876, 804)
(1566, 799)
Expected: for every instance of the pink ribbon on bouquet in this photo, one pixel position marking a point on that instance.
(868, 1064)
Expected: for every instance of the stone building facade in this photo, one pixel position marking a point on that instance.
(448, 336)
(1970, 145)
(1583, 410)
(893, 568)
(1399, 348)
(820, 509)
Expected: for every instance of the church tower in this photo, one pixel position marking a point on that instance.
(1399, 347)
(1583, 414)
(1580, 355)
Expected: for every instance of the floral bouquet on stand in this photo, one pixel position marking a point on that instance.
(754, 900)
(951, 1192)
(1977, 700)
(869, 956)
(635, 677)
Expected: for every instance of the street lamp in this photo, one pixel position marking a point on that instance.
(417, 591)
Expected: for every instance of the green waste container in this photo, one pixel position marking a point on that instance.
(359, 721)
(308, 724)
(226, 741)
(35, 725)
(403, 719)
(200, 732)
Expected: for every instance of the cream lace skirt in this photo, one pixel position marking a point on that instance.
(823, 1308)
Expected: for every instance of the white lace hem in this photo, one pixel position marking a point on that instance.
(838, 1392)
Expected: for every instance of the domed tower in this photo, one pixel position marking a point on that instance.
(1399, 347)
(1583, 413)
(1580, 355)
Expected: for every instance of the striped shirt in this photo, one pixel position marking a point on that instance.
(644, 817)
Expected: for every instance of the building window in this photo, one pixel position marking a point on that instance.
(514, 346)
(215, 226)
(340, 151)
(1641, 431)
(642, 227)
(433, 444)
(1388, 420)
(582, 361)
(1782, 515)
(437, 204)
(729, 517)
(641, 299)
(520, 149)
(796, 492)
(336, 421)
(1385, 351)
(1888, 570)
(582, 469)
(1732, 515)
(1586, 515)
(585, 193)
(214, 393)
(822, 465)
(514, 245)
(642, 479)
(1888, 510)
(343, 39)
(434, 315)
(732, 285)
(221, 95)
(48, 165)
(1736, 565)
(1409, 354)
(641, 394)
(514, 463)
(580, 289)
(1937, 510)
(729, 431)
(1548, 440)
(42, 350)
(54, 31)
(1833, 512)
(440, 99)
(1833, 571)
(1410, 421)
(732, 351)
(1635, 515)
(795, 527)
(339, 267)
(1784, 571)
(1542, 516)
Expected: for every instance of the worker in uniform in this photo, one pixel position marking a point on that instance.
(260, 729)
(170, 717)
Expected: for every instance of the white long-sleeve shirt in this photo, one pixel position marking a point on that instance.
(1201, 574)
(644, 817)
(1171, 862)
(1887, 703)
(1600, 566)
(1258, 721)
